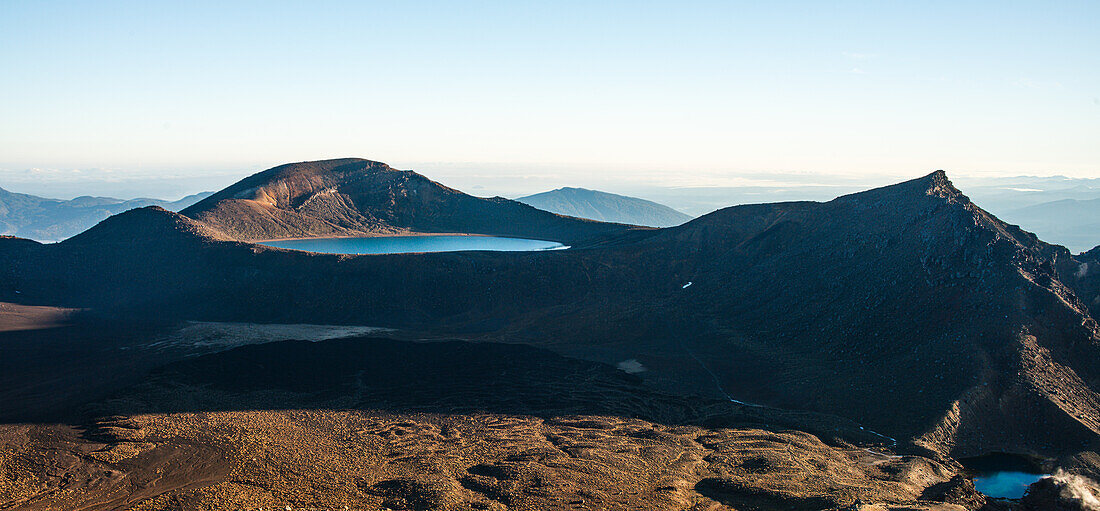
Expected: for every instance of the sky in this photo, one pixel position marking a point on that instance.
(574, 93)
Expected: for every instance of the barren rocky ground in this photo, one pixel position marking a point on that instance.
(363, 460)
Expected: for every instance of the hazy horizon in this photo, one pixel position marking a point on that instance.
(668, 94)
(480, 180)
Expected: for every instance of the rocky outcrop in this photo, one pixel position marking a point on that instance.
(1061, 492)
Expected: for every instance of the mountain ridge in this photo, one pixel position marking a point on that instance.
(358, 197)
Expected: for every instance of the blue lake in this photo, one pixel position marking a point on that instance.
(1006, 485)
(1002, 475)
(407, 244)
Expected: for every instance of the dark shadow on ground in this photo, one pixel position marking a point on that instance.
(48, 373)
(100, 366)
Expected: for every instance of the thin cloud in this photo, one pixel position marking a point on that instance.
(1033, 84)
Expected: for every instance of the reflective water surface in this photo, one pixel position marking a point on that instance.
(406, 244)
(1007, 485)
(1003, 475)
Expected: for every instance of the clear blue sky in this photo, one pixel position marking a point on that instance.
(672, 91)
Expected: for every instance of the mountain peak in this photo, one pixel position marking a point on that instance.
(940, 185)
(285, 185)
(911, 192)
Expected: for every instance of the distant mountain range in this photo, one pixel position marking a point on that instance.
(1059, 209)
(357, 197)
(1074, 223)
(42, 219)
(605, 207)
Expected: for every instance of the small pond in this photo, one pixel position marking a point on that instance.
(1005, 476)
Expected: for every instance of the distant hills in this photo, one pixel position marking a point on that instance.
(1074, 223)
(1007, 193)
(1059, 209)
(357, 197)
(605, 207)
(42, 219)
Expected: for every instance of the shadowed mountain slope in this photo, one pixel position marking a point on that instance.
(356, 197)
(906, 308)
(906, 298)
(605, 207)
